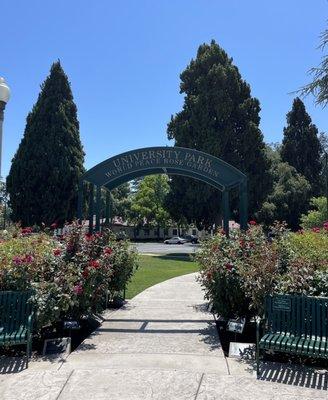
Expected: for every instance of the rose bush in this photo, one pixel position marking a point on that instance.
(238, 272)
(70, 276)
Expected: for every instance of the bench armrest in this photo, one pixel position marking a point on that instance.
(259, 321)
(30, 322)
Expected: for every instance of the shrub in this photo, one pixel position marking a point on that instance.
(70, 276)
(311, 245)
(318, 215)
(238, 272)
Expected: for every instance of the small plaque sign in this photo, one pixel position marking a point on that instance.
(236, 325)
(241, 350)
(57, 346)
(281, 303)
(71, 325)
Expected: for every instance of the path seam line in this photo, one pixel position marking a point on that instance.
(225, 358)
(200, 382)
(61, 390)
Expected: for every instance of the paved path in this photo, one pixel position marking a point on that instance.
(162, 345)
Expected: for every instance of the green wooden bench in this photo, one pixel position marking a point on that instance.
(294, 324)
(16, 319)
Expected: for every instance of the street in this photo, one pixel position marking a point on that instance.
(161, 248)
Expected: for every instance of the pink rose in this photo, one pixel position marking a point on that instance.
(78, 289)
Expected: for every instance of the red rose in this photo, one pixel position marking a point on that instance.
(229, 266)
(209, 275)
(316, 229)
(26, 231)
(108, 250)
(94, 264)
(54, 225)
(57, 252)
(88, 236)
(86, 273)
(252, 222)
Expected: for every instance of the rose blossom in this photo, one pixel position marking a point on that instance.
(94, 264)
(78, 289)
(86, 273)
(229, 266)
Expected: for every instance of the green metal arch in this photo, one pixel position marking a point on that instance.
(173, 161)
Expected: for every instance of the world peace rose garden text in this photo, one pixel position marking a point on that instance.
(161, 158)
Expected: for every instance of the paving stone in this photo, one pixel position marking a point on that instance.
(162, 344)
(218, 387)
(182, 362)
(124, 385)
(34, 385)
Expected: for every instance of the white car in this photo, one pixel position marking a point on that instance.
(175, 240)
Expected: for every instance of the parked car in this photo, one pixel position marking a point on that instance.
(191, 238)
(175, 240)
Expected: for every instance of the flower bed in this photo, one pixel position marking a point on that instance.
(238, 272)
(70, 276)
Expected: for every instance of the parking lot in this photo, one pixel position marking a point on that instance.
(161, 248)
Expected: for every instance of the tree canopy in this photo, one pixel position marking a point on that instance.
(121, 201)
(289, 198)
(317, 215)
(301, 146)
(44, 175)
(148, 202)
(220, 117)
(319, 85)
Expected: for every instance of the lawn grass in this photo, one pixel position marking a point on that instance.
(156, 269)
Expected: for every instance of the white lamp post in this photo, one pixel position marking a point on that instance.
(4, 97)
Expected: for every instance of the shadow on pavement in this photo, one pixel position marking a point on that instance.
(10, 365)
(288, 374)
(294, 375)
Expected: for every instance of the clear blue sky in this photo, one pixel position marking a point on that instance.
(124, 58)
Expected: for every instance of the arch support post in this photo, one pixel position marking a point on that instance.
(91, 204)
(243, 211)
(108, 208)
(226, 211)
(98, 200)
(80, 202)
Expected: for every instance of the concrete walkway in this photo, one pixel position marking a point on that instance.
(162, 345)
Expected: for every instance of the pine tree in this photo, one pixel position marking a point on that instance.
(219, 117)
(45, 170)
(301, 146)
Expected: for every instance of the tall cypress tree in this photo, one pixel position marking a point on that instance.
(301, 146)
(220, 117)
(43, 179)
